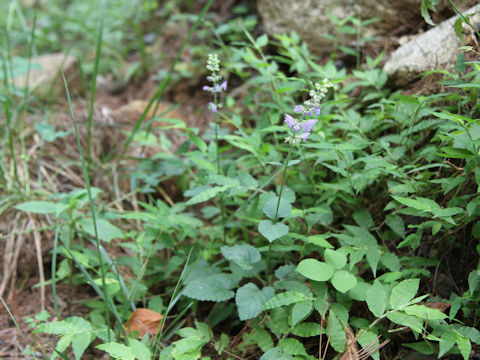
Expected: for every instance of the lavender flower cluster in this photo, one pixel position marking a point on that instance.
(213, 65)
(303, 127)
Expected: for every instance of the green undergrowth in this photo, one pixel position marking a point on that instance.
(273, 247)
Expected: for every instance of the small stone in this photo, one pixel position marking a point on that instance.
(45, 75)
(438, 47)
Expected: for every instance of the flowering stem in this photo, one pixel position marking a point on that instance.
(222, 209)
(284, 177)
(310, 177)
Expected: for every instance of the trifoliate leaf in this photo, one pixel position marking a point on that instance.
(377, 299)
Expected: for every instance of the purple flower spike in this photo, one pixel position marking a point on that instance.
(289, 121)
(223, 86)
(212, 107)
(296, 128)
(206, 88)
(304, 136)
(298, 109)
(308, 125)
(317, 110)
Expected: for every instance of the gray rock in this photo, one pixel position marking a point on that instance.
(45, 78)
(438, 47)
(308, 18)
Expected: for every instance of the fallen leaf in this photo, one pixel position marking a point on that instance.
(143, 321)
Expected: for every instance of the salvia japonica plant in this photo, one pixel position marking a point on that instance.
(342, 220)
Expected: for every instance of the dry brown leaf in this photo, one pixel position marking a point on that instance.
(442, 306)
(143, 321)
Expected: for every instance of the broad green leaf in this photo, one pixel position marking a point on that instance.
(244, 255)
(359, 291)
(261, 337)
(447, 340)
(37, 207)
(335, 258)
(400, 318)
(424, 312)
(300, 311)
(250, 300)
(422, 204)
(343, 281)
(403, 293)
(285, 298)
(292, 346)
(272, 231)
(391, 261)
(213, 288)
(366, 339)
(117, 351)
(306, 329)
(315, 270)
(284, 208)
(80, 343)
(142, 352)
(363, 218)
(464, 346)
(106, 231)
(422, 347)
(377, 299)
(319, 241)
(395, 222)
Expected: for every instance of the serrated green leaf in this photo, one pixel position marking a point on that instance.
(391, 261)
(377, 299)
(300, 311)
(292, 346)
(272, 231)
(363, 218)
(250, 300)
(207, 194)
(335, 258)
(403, 293)
(395, 222)
(315, 270)
(117, 350)
(400, 318)
(284, 208)
(285, 298)
(244, 255)
(343, 281)
(213, 288)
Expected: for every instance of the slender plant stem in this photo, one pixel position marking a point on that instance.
(217, 143)
(92, 210)
(284, 177)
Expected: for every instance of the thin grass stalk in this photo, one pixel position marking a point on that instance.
(161, 89)
(14, 321)
(93, 88)
(54, 272)
(92, 209)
